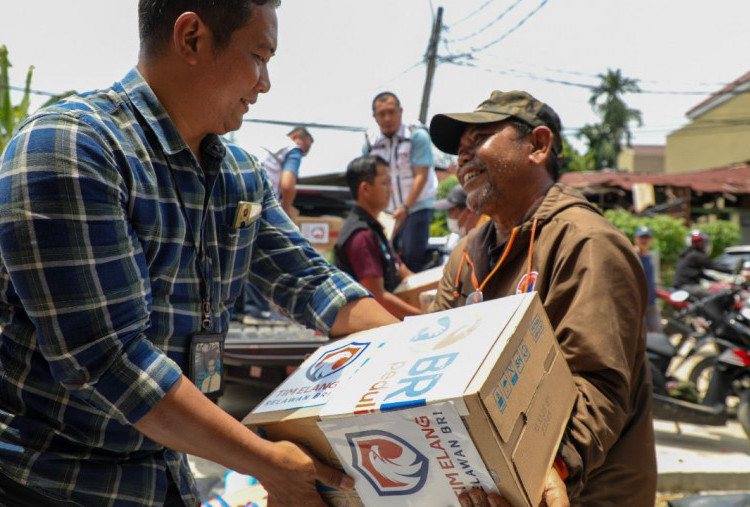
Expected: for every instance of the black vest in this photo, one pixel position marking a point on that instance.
(361, 219)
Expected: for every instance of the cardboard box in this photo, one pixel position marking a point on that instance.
(291, 411)
(410, 289)
(475, 395)
(322, 232)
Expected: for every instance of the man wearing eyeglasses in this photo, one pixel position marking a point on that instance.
(544, 236)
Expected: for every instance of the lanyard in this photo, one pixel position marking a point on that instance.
(477, 296)
(199, 247)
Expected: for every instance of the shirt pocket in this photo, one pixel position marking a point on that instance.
(235, 254)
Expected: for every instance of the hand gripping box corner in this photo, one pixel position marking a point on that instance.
(497, 365)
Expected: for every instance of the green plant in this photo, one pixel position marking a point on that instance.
(723, 233)
(670, 233)
(669, 236)
(11, 116)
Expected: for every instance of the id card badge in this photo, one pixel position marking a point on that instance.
(207, 363)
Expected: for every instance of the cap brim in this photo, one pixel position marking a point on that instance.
(443, 205)
(446, 129)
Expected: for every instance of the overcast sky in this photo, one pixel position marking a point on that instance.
(335, 55)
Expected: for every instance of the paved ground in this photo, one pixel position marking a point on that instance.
(691, 459)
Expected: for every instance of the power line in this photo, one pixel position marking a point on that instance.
(346, 128)
(481, 7)
(516, 27)
(592, 86)
(35, 92)
(490, 24)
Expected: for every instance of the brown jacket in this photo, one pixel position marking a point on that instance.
(594, 290)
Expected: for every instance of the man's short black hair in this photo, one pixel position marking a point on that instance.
(363, 168)
(385, 95)
(523, 129)
(156, 19)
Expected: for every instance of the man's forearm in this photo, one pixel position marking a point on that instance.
(418, 184)
(186, 421)
(397, 306)
(359, 315)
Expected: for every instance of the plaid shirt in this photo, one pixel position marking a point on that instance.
(99, 289)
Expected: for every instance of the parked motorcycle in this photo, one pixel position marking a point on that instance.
(721, 320)
(731, 372)
(728, 373)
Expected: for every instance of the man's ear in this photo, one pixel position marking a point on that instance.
(190, 36)
(362, 189)
(541, 141)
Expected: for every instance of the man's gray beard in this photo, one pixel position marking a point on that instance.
(483, 197)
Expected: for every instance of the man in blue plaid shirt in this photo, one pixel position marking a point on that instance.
(127, 228)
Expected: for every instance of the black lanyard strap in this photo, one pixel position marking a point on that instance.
(198, 245)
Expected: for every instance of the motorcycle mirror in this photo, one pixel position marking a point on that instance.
(679, 296)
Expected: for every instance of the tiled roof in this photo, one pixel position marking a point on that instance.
(732, 179)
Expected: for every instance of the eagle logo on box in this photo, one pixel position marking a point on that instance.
(437, 336)
(335, 360)
(390, 464)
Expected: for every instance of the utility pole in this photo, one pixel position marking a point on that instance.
(431, 63)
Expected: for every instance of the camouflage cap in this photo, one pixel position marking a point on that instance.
(446, 129)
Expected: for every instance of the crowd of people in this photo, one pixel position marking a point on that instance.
(130, 230)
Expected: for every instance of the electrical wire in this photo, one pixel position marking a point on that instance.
(34, 92)
(489, 25)
(513, 29)
(479, 9)
(345, 128)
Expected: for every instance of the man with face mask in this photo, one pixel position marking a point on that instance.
(461, 219)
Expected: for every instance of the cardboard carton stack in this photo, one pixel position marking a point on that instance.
(322, 232)
(410, 289)
(420, 411)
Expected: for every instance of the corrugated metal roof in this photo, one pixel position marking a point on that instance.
(733, 179)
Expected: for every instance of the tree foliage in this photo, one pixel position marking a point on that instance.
(606, 139)
(722, 233)
(670, 234)
(572, 161)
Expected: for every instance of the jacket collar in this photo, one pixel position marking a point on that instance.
(482, 241)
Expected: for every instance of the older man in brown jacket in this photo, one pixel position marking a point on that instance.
(544, 236)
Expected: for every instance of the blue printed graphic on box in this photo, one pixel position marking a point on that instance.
(500, 400)
(512, 374)
(506, 384)
(523, 350)
(518, 362)
(536, 328)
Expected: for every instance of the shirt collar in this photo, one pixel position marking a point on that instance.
(144, 100)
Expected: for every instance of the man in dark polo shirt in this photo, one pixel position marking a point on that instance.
(362, 248)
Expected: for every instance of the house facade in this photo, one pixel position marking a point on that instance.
(717, 134)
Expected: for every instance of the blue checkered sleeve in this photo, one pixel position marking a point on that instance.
(84, 284)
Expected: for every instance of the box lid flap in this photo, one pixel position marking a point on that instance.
(430, 357)
(546, 419)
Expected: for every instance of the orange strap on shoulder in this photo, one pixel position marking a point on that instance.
(561, 468)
